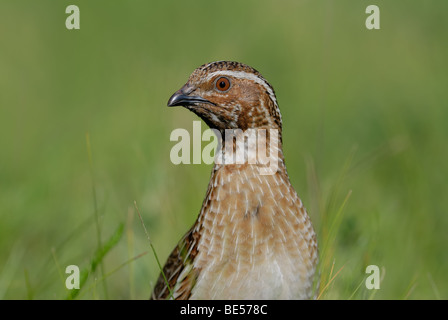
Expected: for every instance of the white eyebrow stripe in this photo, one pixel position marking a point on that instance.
(244, 75)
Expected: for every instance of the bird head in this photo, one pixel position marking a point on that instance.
(229, 95)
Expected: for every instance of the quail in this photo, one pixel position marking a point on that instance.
(253, 238)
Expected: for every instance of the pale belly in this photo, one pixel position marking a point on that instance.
(278, 278)
(256, 242)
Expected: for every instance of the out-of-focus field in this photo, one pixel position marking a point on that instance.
(365, 117)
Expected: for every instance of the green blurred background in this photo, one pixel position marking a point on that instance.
(365, 117)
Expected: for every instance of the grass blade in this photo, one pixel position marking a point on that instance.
(95, 205)
(329, 282)
(154, 251)
(97, 259)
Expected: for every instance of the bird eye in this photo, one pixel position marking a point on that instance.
(222, 84)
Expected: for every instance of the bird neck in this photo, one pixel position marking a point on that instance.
(261, 147)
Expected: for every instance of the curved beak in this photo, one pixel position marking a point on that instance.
(182, 97)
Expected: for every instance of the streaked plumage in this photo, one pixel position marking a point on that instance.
(253, 238)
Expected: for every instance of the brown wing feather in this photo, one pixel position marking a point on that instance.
(179, 260)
